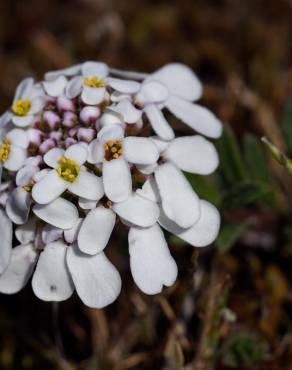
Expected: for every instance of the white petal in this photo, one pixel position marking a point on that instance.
(203, 232)
(147, 169)
(111, 118)
(70, 71)
(41, 174)
(197, 117)
(87, 204)
(98, 69)
(22, 121)
(20, 269)
(59, 213)
(179, 201)
(158, 122)
(140, 150)
(180, 80)
(26, 233)
(151, 263)
(78, 153)
(96, 230)
(117, 96)
(149, 190)
(127, 111)
(49, 188)
(138, 210)
(25, 175)
(51, 280)
(5, 118)
(55, 87)
(74, 87)
(70, 235)
(16, 158)
(193, 154)
(52, 157)
(113, 132)
(117, 180)
(93, 95)
(37, 104)
(23, 89)
(88, 186)
(160, 143)
(95, 152)
(18, 206)
(152, 92)
(51, 234)
(123, 86)
(18, 137)
(5, 241)
(96, 280)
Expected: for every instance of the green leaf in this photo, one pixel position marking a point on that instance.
(206, 187)
(286, 123)
(231, 161)
(255, 159)
(245, 193)
(229, 235)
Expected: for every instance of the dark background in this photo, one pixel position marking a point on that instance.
(231, 306)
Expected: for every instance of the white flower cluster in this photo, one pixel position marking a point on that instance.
(88, 147)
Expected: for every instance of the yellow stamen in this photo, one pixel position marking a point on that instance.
(4, 150)
(28, 187)
(68, 169)
(94, 82)
(113, 149)
(21, 107)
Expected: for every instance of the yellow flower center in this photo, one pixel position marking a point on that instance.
(94, 82)
(4, 150)
(68, 169)
(28, 187)
(21, 107)
(113, 150)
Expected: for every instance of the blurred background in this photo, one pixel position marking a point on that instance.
(231, 305)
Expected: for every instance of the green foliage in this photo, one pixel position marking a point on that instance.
(206, 187)
(243, 350)
(287, 124)
(229, 234)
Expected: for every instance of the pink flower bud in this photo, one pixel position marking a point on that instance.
(86, 134)
(70, 141)
(56, 135)
(46, 146)
(35, 136)
(69, 119)
(65, 104)
(89, 115)
(52, 119)
(73, 131)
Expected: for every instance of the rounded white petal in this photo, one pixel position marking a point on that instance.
(158, 122)
(74, 87)
(151, 263)
(22, 121)
(123, 86)
(152, 92)
(70, 71)
(5, 118)
(41, 174)
(147, 169)
(95, 152)
(88, 186)
(149, 190)
(193, 154)
(19, 270)
(55, 87)
(5, 241)
(18, 206)
(96, 230)
(140, 150)
(127, 110)
(78, 153)
(138, 210)
(16, 158)
(70, 235)
(87, 204)
(49, 188)
(197, 117)
(23, 89)
(96, 280)
(37, 104)
(160, 143)
(117, 179)
(51, 234)
(52, 157)
(93, 95)
(117, 96)
(113, 132)
(110, 118)
(59, 213)
(25, 175)
(51, 280)
(179, 201)
(98, 69)
(180, 80)
(18, 138)
(203, 232)
(26, 233)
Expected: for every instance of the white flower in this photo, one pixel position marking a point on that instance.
(68, 174)
(13, 149)
(175, 87)
(6, 232)
(27, 103)
(115, 152)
